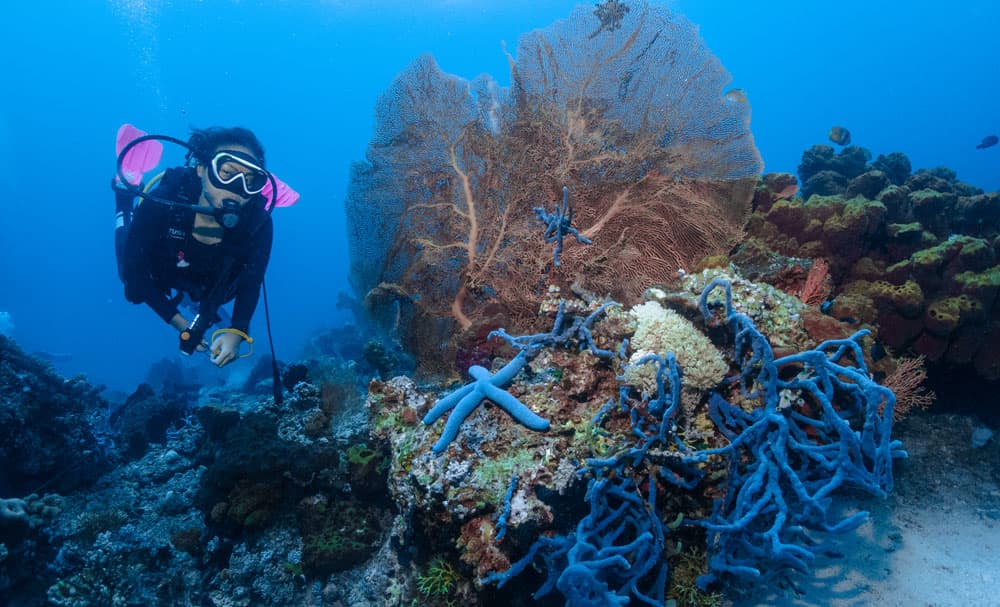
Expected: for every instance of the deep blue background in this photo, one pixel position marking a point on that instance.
(908, 76)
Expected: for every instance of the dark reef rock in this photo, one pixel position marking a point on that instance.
(260, 462)
(934, 209)
(47, 437)
(868, 184)
(815, 159)
(897, 202)
(144, 418)
(821, 159)
(825, 183)
(978, 215)
(338, 535)
(938, 180)
(851, 161)
(896, 167)
(294, 374)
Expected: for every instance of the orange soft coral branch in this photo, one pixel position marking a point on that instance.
(906, 382)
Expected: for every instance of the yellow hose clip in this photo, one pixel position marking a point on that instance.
(149, 186)
(245, 337)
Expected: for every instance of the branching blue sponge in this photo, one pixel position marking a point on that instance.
(467, 399)
(786, 464)
(612, 559)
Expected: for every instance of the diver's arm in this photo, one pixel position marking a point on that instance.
(179, 322)
(250, 279)
(226, 347)
(148, 221)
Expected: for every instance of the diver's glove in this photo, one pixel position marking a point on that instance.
(225, 346)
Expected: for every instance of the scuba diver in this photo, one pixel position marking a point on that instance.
(200, 233)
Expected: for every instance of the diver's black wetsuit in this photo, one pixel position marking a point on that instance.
(161, 255)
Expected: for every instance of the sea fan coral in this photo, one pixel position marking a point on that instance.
(634, 120)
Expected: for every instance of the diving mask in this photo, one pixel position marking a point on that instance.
(237, 173)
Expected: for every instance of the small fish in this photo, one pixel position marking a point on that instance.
(840, 135)
(988, 142)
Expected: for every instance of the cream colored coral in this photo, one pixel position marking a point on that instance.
(660, 330)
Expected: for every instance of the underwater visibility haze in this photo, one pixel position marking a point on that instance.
(614, 303)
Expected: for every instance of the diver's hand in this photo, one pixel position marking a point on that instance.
(225, 348)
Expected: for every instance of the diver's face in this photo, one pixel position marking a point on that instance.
(212, 195)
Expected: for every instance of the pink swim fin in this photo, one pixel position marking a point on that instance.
(141, 157)
(286, 195)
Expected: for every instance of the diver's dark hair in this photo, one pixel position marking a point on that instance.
(205, 141)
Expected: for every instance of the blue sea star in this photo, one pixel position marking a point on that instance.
(558, 224)
(467, 399)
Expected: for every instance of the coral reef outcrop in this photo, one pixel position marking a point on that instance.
(50, 431)
(641, 453)
(914, 256)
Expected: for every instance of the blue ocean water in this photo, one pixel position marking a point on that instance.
(902, 76)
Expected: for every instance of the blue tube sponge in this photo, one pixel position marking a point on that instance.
(612, 559)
